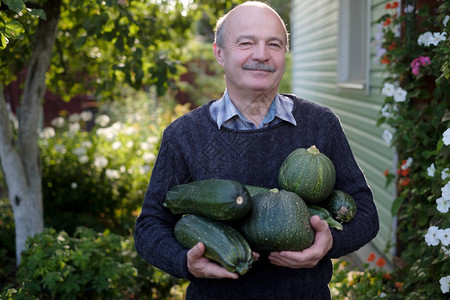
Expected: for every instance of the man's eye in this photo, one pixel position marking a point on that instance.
(275, 45)
(244, 43)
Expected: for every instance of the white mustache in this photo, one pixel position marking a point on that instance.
(259, 67)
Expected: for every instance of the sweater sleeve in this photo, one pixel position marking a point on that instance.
(351, 180)
(154, 238)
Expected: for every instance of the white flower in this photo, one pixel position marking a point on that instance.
(386, 111)
(446, 191)
(86, 144)
(442, 205)
(145, 169)
(129, 130)
(102, 120)
(130, 144)
(74, 127)
(148, 157)
(431, 237)
(445, 284)
(431, 170)
(388, 89)
(409, 8)
(444, 236)
(100, 162)
(424, 39)
(446, 20)
(445, 174)
(107, 133)
(400, 95)
(73, 185)
(79, 151)
(437, 37)
(58, 122)
(407, 163)
(116, 145)
(74, 118)
(47, 133)
(60, 149)
(446, 137)
(387, 136)
(113, 174)
(152, 139)
(446, 251)
(86, 115)
(83, 159)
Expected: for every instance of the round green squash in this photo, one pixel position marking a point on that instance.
(278, 221)
(308, 173)
(341, 206)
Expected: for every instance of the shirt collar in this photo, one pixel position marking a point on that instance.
(223, 110)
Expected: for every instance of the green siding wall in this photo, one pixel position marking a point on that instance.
(314, 32)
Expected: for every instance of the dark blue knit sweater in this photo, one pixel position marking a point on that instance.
(193, 148)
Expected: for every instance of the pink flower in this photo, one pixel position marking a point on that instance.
(418, 62)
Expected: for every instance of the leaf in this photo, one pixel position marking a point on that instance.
(396, 206)
(38, 12)
(3, 41)
(15, 5)
(14, 29)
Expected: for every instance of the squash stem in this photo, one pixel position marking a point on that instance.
(313, 150)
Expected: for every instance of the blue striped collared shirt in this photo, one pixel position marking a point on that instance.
(225, 113)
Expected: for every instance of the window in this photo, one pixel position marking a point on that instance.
(354, 41)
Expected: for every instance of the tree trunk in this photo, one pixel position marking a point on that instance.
(20, 159)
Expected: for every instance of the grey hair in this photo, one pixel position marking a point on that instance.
(219, 33)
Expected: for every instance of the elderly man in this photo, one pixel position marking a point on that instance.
(245, 136)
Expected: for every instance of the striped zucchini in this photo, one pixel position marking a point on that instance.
(223, 244)
(218, 199)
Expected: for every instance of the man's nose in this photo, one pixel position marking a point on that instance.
(260, 52)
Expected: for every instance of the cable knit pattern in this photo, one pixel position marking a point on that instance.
(193, 148)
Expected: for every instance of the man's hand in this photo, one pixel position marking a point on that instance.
(201, 267)
(308, 258)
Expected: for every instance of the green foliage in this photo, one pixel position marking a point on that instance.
(417, 111)
(87, 265)
(100, 44)
(370, 282)
(7, 249)
(98, 178)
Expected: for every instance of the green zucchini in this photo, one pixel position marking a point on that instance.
(253, 189)
(223, 244)
(218, 199)
(324, 215)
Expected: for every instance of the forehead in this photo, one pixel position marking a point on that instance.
(254, 21)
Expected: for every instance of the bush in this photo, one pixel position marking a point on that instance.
(88, 265)
(98, 178)
(7, 248)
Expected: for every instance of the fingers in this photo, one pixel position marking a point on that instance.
(310, 257)
(201, 267)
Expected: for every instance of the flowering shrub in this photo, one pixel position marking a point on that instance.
(414, 45)
(98, 178)
(370, 282)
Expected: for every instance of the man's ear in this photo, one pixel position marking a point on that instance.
(218, 53)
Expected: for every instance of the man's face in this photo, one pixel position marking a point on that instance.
(254, 53)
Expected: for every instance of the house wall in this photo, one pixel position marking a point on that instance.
(315, 34)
